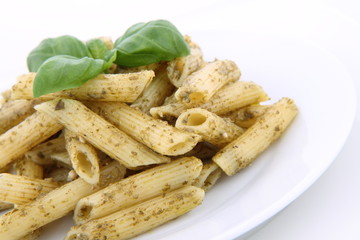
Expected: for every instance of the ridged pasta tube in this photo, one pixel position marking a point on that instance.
(132, 221)
(137, 188)
(124, 87)
(83, 157)
(200, 86)
(234, 96)
(14, 112)
(245, 117)
(41, 154)
(213, 129)
(242, 151)
(26, 167)
(230, 97)
(209, 175)
(33, 130)
(20, 189)
(154, 95)
(180, 68)
(154, 133)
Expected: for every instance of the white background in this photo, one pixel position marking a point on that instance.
(330, 209)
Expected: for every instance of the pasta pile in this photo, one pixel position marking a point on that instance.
(131, 149)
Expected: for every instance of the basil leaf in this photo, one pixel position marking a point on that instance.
(64, 72)
(63, 45)
(97, 48)
(146, 43)
(109, 58)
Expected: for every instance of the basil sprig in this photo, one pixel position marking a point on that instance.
(146, 43)
(66, 62)
(64, 45)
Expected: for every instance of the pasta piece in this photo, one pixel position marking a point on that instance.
(209, 175)
(14, 112)
(234, 96)
(28, 168)
(62, 159)
(41, 154)
(100, 133)
(5, 205)
(137, 188)
(167, 112)
(180, 68)
(33, 130)
(59, 174)
(104, 87)
(156, 134)
(54, 205)
(200, 86)
(155, 93)
(153, 67)
(231, 97)
(247, 116)
(241, 152)
(19, 189)
(83, 158)
(140, 218)
(213, 129)
(5, 97)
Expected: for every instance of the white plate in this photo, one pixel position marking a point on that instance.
(284, 67)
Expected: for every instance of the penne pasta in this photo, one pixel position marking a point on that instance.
(41, 154)
(230, 97)
(137, 188)
(200, 86)
(155, 93)
(234, 96)
(247, 116)
(33, 130)
(28, 168)
(5, 97)
(125, 87)
(59, 174)
(14, 112)
(100, 133)
(212, 128)
(83, 158)
(54, 205)
(167, 112)
(20, 189)
(153, 67)
(132, 221)
(242, 151)
(180, 68)
(156, 134)
(209, 175)
(61, 159)
(5, 205)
